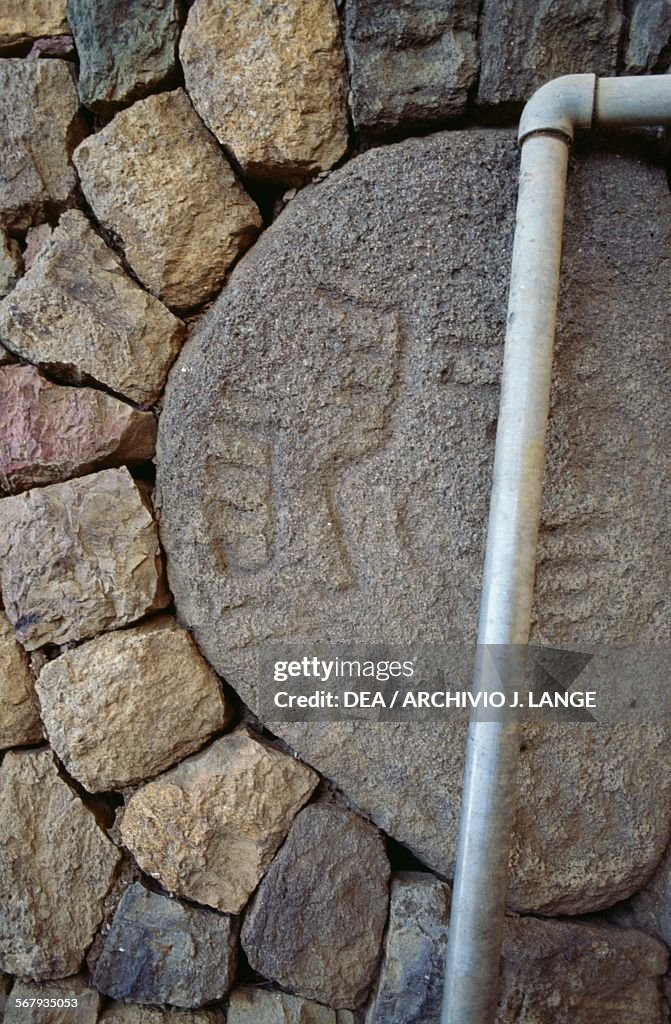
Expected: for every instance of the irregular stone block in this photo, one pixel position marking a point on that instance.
(84, 1003)
(260, 1006)
(181, 222)
(558, 972)
(62, 47)
(410, 984)
(78, 558)
(411, 63)
(161, 951)
(40, 125)
(52, 433)
(315, 924)
(126, 50)
(10, 264)
(649, 39)
(209, 828)
(56, 867)
(129, 704)
(19, 716)
(524, 45)
(36, 239)
(269, 80)
(395, 357)
(134, 1013)
(78, 314)
(24, 20)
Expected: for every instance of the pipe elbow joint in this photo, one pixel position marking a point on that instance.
(560, 106)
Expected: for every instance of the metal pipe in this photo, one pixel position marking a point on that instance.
(488, 801)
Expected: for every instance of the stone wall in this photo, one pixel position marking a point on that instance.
(253, 279)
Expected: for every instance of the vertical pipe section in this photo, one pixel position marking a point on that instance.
(488, 800)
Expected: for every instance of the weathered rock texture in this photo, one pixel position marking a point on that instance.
(411, 63)
(10, 264)
(161, 951)
(125, 49)
(24, 20)
(56, 867)
(524, 45)
(40, 126)
(371, 523)
(19, 716)
(410, 983)
(134, 1013)
(78, 314)
(650, 908)
(209, 828)
(78, 558)
(62, 47)
(259, 1006)
(130, 704)
(181, 221)
(51, 433)
(315, 924)
(88, 1003)
(556, 972)
(269, 80)
(5, 985)
(649, 42)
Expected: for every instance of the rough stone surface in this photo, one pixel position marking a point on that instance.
(134, 1013)
(410, 983)
(650, 908)
(181, 222)
(126, 49)
(10, 264)
(130, 704)
(209, 828)
(36, 238)
(260, 1006)
(56, 867)
(524, 45)
(40, 126)
(161, 951)
(557, 972)
(24, 20)
(89, 1003)
(315, 923)
(269, 81)
(411, 63)
(51, 433)
(371, 523)
(19, 716)
(78, 314)
(62, 47)
(649, 42)
(78, 558)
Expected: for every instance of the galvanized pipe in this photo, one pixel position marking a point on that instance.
(488, 801)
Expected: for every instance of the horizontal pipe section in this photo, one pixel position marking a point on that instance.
(633, 101)
(480, 884)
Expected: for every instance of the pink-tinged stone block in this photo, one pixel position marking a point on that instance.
(53, 433)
